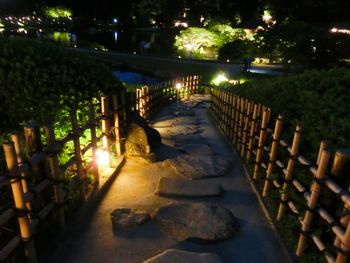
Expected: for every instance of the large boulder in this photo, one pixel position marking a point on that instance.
(153, 136)
(197, 167)
(181, 256)
(126, 217)
(197, 221)
(175, 187)
(141, 142)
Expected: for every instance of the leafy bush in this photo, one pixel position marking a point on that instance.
(38, 80)
(318, 100)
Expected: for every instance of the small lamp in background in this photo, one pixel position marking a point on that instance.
(178, 85)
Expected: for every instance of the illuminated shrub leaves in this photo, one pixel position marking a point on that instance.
(319, 100)
(39, 80)
(58, 12)
(205, 42)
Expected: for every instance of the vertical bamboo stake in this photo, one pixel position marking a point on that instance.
(241, 121)
(341, 157)
(315, 192)
(238, 103)
(233, 118)
(123, 107)
(261, 142)
(116, 126)
(148, 101)
(289, 171)
(231, 123)
(106, 125)
(345, 246)
(20, 205)
(252, 132)
(77, 153)
(273, 155)
(226, 113)
(92, 122)
(246, 127)
(222, 109)
(56, 175)
(17, 146)
(34, 145)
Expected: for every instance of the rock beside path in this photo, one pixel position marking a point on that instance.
(126, 217)
(197, 167)
(181, 256)
(197, 221)
(173, 187)
(139, 142)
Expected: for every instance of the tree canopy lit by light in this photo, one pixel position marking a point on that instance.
(58, 12)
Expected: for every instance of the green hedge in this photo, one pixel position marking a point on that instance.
(318, 100)
(38, 80)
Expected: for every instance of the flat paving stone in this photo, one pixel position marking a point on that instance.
(198, 149)
(183, 139)
(198, 167)
(198, 222)
(181, 256)
(126, 217)
(174, 187)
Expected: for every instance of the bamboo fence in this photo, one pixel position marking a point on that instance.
(287, 180)
(36, 183)
(150, 98)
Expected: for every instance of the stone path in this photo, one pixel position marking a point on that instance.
(200, 202)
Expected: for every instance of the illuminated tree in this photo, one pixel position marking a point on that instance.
(58, 12)
(196, 41)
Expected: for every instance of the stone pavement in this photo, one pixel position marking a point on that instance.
(194, 204)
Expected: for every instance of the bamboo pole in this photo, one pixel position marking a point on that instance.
(123, 109)
(315, 192)
(92, 122)
(261, 143)
(238, 114)
(235, 120)
(232, 116)
(116, 126)
(77, 153)
(106, 125)
(273, 154)
(34, 146)
(226, 117)
(246, 127)
(20, 205)
(341, 158)
(252, 131)
(289, 171)
(147, 101)
(240, 123)
(344, 246)
(14, 138)
(56, 175)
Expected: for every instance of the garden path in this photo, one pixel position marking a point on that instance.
(93, 239)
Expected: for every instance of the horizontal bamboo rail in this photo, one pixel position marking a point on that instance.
(247, 125)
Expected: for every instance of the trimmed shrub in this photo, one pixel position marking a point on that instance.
(318, 100)
(38, 80)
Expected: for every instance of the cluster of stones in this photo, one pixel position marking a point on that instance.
(183, 221)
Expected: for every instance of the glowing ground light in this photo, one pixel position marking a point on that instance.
(102, 157)
(219, 79)
(178, 86)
